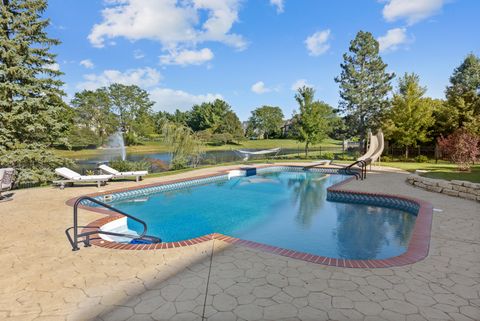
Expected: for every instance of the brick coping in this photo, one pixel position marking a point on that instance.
(417, 250)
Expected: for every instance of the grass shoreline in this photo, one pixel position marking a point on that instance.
(153, 147)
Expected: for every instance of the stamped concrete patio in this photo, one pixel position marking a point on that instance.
(42, 279)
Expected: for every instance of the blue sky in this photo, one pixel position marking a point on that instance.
(253, 52)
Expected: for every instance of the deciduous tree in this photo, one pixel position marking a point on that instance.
(184, 146)
(133, 106)
(267, 120)
(313, 121)
(93, 111)
(411, 115)
(461, 147)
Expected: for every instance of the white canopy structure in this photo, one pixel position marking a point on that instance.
(246, 154)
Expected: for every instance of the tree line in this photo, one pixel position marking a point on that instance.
(406, 115)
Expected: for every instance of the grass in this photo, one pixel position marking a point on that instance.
(158, 147)
(472, 176)
(440, 170)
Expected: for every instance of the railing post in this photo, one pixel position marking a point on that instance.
(75, 228)
(87, 241)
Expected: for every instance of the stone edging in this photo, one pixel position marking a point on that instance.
(457, 188)
(417, 249)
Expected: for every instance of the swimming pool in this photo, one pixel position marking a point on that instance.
(282, 207)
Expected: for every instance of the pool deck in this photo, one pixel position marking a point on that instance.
(42, 279)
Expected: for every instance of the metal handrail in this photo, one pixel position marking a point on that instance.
(75, 240)
(363, 169)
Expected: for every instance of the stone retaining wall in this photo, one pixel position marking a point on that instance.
(461, 189)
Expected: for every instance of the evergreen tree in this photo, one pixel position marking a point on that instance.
(411, 115)
(32, 112)
(364, 84)
(231, 125)
(31, 105)
(314, 120)
(463, 95)
(208, 116)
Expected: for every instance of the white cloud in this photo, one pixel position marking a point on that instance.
(299, 84)
(138, 54)
(393, 39)
(411, 10)
(170, 99)
(177, 25)
(148, 78)
(143, 77)
(187, 57)
(260, 88)
(279, 4)
(87, 63)
(317, 43)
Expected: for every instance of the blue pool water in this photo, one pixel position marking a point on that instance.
(284, 209)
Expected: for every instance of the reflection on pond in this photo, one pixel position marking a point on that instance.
(371, 227)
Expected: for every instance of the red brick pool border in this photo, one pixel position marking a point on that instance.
(417, 249)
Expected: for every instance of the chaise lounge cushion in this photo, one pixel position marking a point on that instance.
(116, 173)
(71, 175)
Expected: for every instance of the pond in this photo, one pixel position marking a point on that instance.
(210, 157)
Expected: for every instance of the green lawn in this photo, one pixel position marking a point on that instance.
(472, 176)
(158, 147)
(440, 170)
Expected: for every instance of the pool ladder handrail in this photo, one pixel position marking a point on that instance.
(363, 169)
(75, 240)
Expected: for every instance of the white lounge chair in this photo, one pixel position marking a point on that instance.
(116, 174)
(73, 177)
(6, 182)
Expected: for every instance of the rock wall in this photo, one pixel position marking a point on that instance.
(461, 189)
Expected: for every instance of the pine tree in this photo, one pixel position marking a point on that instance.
(463, 95)
(31, 105)
(364, 85)
(32, 112)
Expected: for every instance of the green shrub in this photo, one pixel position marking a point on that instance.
(221, 139)
(33, 164)
(328, 155)
(128, 166)
(345, 157)
(386, 158)
(79, 138)
(421, 159)
(179, 163)
(132, 139)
